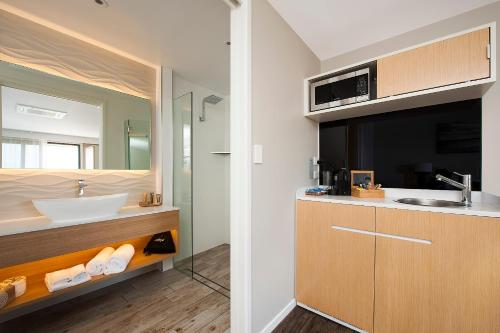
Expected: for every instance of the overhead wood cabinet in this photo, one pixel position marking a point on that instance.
(450, 61)
(335, 268)
(449, 285)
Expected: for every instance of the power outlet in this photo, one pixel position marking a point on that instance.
(313, 168)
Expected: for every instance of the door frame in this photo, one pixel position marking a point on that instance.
(241, 172)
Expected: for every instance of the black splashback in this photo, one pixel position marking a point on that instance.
(406, 149)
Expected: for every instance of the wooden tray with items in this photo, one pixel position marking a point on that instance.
(363, 185)
(362, 193)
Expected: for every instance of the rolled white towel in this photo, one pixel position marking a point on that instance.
(65, 278)
(7, 294)
(19, 282)
(119, 260)
(97, 264)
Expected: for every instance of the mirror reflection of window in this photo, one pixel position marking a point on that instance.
(32, 156)
(20, 153)
(62, 156)
(89, 157)
(11, 155)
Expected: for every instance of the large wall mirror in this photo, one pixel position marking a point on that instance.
(50, 122)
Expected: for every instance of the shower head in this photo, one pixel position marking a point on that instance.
(212, 99)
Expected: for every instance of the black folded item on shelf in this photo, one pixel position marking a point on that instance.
(160, 243)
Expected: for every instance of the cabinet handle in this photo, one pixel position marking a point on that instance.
(380, 234)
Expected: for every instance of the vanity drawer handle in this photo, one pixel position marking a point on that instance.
(379, 234)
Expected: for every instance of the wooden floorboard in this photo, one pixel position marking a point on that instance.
(153, 302)
(212, 264)
(303, 321)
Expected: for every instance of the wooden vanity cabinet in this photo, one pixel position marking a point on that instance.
(35, 253)
(334, 267)
(450, 285)
(450, 61)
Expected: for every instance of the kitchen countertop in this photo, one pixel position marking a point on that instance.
(483, 204)
(18, 226)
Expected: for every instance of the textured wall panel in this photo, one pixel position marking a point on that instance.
(29, 44)
(19, 187)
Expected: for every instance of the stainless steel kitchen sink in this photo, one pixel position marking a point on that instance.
(430, 202)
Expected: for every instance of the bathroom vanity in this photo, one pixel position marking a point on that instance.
(67, 125)
(52, 247)
(379, 266)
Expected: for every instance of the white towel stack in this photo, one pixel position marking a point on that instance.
(66, 278)
(96, 265)
(119, 260)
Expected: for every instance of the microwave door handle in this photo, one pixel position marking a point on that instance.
(363, 71)
(342, 77)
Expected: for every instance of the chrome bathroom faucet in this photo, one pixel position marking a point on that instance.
(81, 187)
(465, 186)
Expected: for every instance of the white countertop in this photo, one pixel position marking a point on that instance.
(483, 204)
(18, 226)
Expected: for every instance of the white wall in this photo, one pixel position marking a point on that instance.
(210, 171)
(491, 100)
(280, 62)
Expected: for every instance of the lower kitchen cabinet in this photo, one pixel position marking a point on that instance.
(391, 271)
(450, 285)
(335, 268)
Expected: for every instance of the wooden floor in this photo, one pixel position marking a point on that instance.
(210, 267)
(303, 321)
(154, 302)
(214, 265)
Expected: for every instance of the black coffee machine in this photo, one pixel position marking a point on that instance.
(336, 179)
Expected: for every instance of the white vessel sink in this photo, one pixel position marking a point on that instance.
(81, 209)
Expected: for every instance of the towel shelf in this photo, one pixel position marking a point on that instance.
(37, 296)
(37, 292)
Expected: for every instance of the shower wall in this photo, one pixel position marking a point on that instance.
(210, 171)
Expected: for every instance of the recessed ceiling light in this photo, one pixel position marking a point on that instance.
(103, 3)
(40, 112)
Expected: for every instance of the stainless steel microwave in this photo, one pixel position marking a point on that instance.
(339, 90)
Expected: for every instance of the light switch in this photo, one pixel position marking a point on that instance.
(257, 154)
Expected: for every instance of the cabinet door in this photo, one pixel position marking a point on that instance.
(450, 285)
(335, 267)
(454, 60)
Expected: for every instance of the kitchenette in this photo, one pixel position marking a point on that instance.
(399, 236)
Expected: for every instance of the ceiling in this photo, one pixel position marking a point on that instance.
(334, 27)
(81, 120)
(187, 35)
